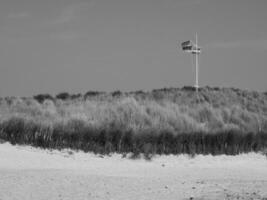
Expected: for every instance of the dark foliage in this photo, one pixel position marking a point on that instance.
(75, 96)
(42, 97)
(116, 93)
(138, 92)
(77, 135)
(189, 88)
(63, 96)
(92, 93)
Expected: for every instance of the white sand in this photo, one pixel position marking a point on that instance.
(34, 174)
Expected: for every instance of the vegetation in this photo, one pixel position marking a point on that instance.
(165, 121)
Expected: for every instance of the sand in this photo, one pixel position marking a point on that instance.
(35, 174)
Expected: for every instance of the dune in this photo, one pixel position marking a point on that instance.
(33, 173)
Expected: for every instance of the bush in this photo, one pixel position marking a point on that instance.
(42, 97)
(189, 88)
(92, 94)
(63, 96)
(75, 96)
(116, 93)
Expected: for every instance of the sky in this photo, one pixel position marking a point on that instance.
(75, 46)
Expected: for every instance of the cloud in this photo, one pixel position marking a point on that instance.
(18, 16)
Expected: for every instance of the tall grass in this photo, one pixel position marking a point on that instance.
(218, 121)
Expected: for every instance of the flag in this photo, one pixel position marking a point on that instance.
(187, 45)
(190, 47)
(187, 48)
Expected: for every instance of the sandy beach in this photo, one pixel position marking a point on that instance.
(37, 174)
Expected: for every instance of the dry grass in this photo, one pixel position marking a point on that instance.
(219, 121)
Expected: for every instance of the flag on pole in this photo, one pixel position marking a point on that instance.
(190, 47)
(187, 46)
(193, 48)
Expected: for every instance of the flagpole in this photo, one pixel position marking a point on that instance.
(196, 85)
(195, 50)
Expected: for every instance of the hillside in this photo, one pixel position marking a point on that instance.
(164, 121)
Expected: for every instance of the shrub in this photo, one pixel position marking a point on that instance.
(92, 94)
(116, 93)
(189, 88)
(42, 97)
(63, 96)
(75, 96)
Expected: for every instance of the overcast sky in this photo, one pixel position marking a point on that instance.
(51, 46)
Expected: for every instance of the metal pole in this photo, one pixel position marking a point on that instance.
(196, 65)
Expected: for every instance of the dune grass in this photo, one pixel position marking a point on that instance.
(166, 121)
